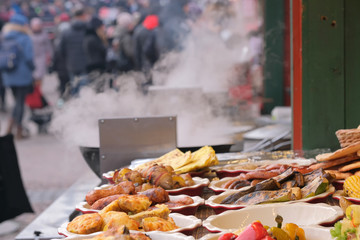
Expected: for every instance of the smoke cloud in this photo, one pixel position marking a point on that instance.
(192, 84)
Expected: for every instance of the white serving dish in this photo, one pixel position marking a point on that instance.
(215, 201)
(190, 209)
(311, 233)
(194, 190)
(155, 235)
(302, 214)
(340, 193)
(186, 225)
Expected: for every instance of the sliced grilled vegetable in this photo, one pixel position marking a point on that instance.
(234, 197)
(315, 187)
(282, 195)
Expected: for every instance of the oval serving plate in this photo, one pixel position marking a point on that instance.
(186, 224)
(109, 175)
(190, 209)
(155, 235)
(215, 201)
(302, 214)
(340, 193)
(311, 233)
(194, 190)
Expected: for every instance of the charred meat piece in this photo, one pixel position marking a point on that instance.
(235, 196)
(120, 188)
(299, 178)
(126, 174)
(156, 195)
(288, 173)
(158, 176)
(135, 177)
(268, 184)
(103, 202)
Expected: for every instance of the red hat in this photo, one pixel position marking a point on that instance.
(63, 17)
(151, 22)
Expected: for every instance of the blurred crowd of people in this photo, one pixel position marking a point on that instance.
(90, 42)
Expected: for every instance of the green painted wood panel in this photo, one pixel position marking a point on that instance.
(274, 54)
(352, 64)
(323, 72)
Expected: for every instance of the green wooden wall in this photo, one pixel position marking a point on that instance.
(352, 63)
(274, 27)
(331, 70)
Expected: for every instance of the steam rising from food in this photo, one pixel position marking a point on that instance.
(191, 84)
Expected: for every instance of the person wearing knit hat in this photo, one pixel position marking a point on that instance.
(95, 46)
(19, 19)
(19, 79)
(71, 47)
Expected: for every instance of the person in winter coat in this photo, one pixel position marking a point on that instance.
(20, 79)
(2, 87)
(72, 48)
(173, 26)
(123, 35)
(59, 61)
(145, 48)
(43, 50)
(95, 46)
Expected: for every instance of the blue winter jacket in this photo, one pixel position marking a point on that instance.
(22, 75)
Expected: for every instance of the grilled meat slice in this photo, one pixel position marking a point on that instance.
(120, 188)
(103, 202)
(288, 173)
(268, 184)
(156, 195)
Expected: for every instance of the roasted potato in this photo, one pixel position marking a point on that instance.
(86, 224)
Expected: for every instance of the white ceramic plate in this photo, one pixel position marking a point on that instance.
(84, 207)
(302, 214)
(340, 193)
(215, 201)
(311, 233)
(156, 235)
(185, 224)
(194, 190)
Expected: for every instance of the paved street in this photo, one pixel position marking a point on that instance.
(48, 167)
